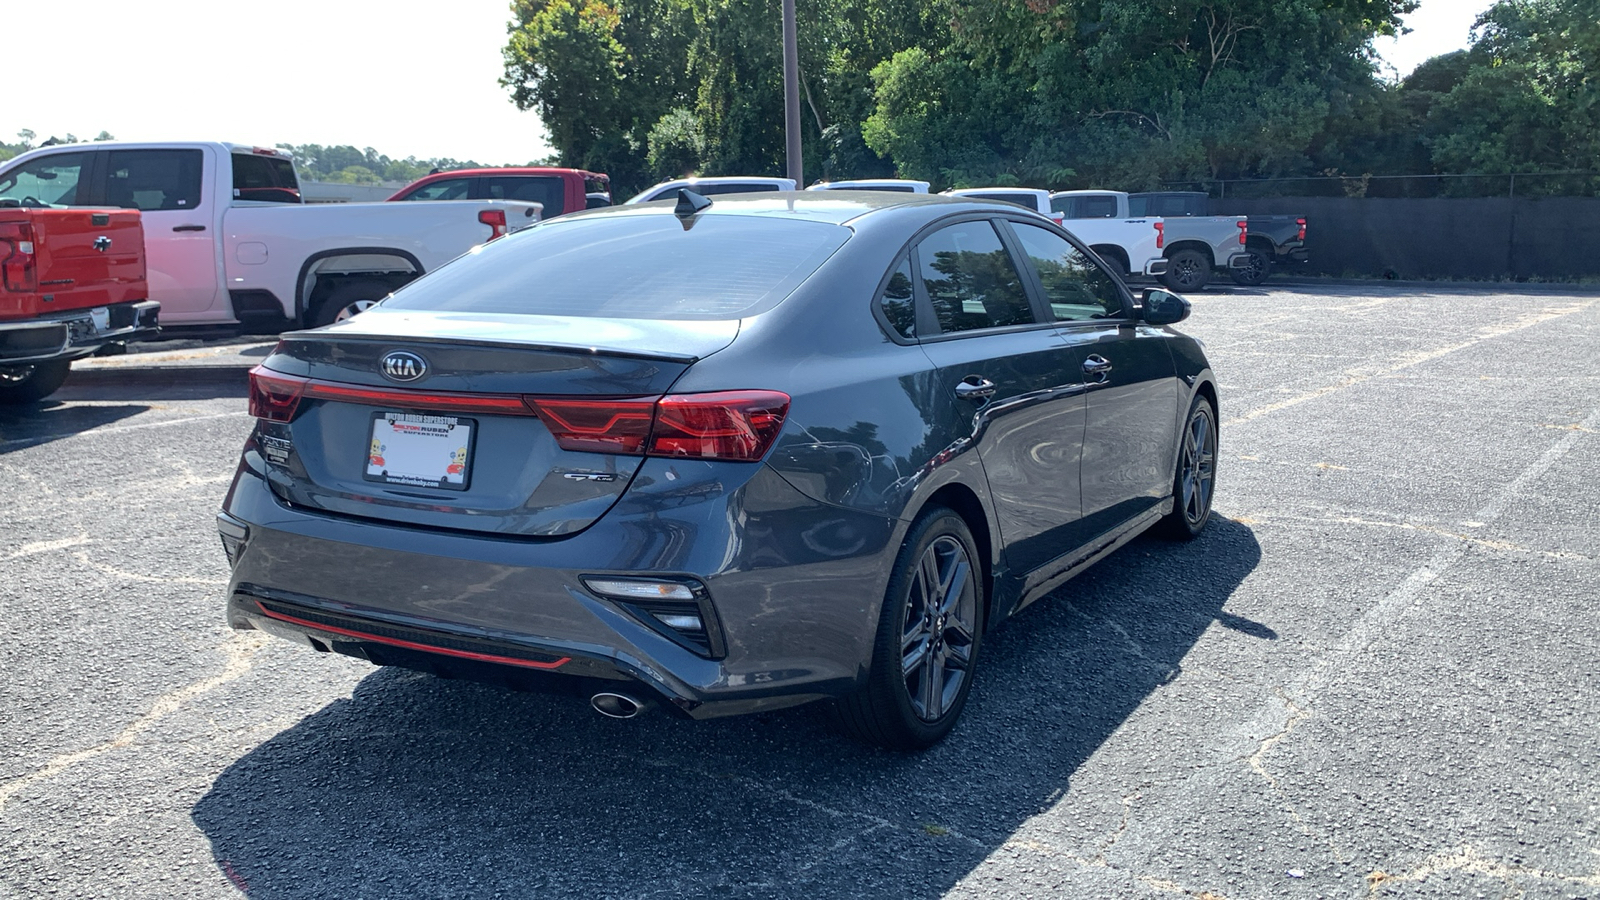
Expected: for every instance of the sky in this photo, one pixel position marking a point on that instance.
(403, 77)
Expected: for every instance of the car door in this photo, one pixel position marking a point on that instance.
(1004, 372)
(168, 187)
(1130, 378)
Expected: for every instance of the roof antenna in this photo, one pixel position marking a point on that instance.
(690, 204)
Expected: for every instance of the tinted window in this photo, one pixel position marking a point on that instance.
(742, 187)
(445, 189)
(971, 279)
(1075, 287)
(597, 184)
(1174, 204)
(153, 180)
(269, 178)
(1085, 207)
(1024, 201)
(47, 181)
(632, 267)
(547, 189)
(896, 301)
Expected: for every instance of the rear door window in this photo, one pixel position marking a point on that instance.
(1086, 207)
(47, 181)
(550, 190)
(971, 279)
(264, 178)
(444, 189)
(1074, 286)
(153, 180)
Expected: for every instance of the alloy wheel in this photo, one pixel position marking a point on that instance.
(1198, 468)
(938, 633)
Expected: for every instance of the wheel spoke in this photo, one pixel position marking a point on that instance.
(955, 586)
(932, 687)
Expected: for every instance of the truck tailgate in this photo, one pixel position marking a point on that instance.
(59, 260)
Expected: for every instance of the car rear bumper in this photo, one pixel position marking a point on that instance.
(77, 333)
(794, 586)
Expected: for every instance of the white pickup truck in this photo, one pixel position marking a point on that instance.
(228, 241)
(1134, 244)
(1192, 245)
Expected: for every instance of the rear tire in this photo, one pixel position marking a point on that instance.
(33, 382)
(929, 631)
(1194, 484)
(1187, 270)
(1256, 272)
(347, 300)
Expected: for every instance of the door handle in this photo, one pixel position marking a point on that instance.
(188, 228)
(1097, 365)
(975, 388)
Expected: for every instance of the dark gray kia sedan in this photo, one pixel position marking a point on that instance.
(720, 456)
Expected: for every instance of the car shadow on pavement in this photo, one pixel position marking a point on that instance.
(41, 423)
(421, 787)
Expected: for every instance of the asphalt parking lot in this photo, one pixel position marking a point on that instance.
(1376, 675)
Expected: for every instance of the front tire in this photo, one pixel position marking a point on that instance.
(33, 382)
(1194, 483)
(929, 632)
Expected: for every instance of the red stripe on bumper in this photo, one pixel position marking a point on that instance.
(411, 645)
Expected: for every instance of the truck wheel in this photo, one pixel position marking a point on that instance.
(1187, 270)
(347, 300)
(1256, 272)
(31, 383)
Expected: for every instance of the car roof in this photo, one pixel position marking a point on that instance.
(509, 170)
(836, 207)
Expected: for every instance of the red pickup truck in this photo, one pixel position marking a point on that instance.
(72, 283)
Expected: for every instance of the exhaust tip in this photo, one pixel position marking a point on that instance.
(615, 706)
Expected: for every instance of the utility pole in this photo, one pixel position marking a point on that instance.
(791, 95)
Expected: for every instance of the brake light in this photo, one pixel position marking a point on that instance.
(1161, 234)
(729, 425)
(597, 426)
(17, 263)
(496, 220)
(1302, 235)
(273, 396)
(1244, 229)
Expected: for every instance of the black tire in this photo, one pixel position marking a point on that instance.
(347, 300)
(1195, 480)
(927, 641)
(1187, 270)
(1259, 267)
(32, 383)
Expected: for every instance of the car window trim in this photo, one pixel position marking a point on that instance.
(888, 328)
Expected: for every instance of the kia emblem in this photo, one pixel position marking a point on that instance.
(401, 365)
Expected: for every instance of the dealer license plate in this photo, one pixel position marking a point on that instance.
(420, 450)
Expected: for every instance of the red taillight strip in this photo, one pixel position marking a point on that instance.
(411, 645)
(1161, 234)
(445, 401)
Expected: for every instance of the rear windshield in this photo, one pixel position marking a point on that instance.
(632, 267)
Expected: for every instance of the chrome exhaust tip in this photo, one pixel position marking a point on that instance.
(615, 706)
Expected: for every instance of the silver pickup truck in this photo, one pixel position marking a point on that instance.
(1193, 246)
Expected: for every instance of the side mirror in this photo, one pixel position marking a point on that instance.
(1163, 307)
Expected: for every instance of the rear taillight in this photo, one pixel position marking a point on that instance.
(1302, 235)
(737, 426)
(18, 267)
(1161, 234)
(274, 397)
(730, 425)
(1244, 230)
(597, 426)
(496, 220)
